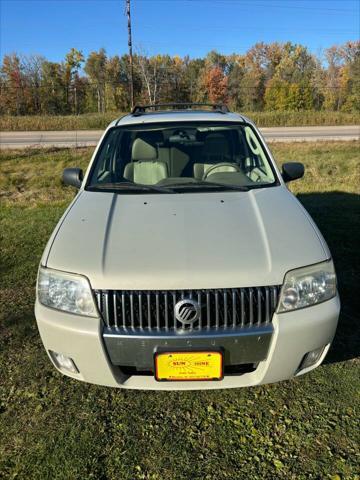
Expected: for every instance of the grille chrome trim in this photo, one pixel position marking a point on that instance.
(136, 349)
(153, 310)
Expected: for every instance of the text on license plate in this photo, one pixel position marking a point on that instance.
(189, 366)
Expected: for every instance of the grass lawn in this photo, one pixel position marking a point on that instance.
(52, 427)
(89, 121)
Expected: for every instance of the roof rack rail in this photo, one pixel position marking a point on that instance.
(215, 107)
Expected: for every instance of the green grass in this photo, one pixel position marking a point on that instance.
(91, 121)
(52, 427)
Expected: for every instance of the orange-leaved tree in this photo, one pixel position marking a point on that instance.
(216, 83)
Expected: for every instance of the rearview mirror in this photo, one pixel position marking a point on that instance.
(73, 177)
(292, 171)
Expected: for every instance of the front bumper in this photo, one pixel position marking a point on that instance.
(278, 354)
(243, 346)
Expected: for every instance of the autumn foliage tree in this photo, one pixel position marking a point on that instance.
(216, 84)
(13, 85)
(275, 76)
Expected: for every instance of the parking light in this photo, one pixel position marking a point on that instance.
(311, 358)
(63, 362)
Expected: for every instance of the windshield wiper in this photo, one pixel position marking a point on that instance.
(170, 188)
(203, 183)
(130, 186)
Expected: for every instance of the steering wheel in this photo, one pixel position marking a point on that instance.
(183, 134)
(235, 168)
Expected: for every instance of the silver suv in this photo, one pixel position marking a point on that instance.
(184, 262)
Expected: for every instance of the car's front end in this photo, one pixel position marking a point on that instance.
(86, 348)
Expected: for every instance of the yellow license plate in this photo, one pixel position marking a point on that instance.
(189, 366)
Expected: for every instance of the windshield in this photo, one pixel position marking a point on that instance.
(169, 158)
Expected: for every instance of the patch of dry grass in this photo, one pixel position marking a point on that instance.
(329, 166)
(29, 177)
(90, 121)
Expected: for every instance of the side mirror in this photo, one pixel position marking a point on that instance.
(292, 171)
(73, 177)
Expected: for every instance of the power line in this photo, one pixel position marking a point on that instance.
(261, 5)
(241, 28)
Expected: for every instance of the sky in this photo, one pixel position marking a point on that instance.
(177, 27)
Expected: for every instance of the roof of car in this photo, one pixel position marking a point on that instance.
(178, 113)
(178, 116)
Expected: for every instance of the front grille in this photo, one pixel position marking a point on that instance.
(154, 310)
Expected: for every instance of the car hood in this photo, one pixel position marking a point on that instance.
(185, 241)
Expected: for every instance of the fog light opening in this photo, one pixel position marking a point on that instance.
(311, 358)
(63, 362)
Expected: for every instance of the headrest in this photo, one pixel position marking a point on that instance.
(215, 144)
(142, 150)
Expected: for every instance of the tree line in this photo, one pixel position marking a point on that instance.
(275, 76)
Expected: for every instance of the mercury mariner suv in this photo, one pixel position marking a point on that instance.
(184, 262)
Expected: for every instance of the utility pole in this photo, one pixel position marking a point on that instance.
(130, 55)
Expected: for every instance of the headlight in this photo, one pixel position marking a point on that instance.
(307, 286)
(65, 291)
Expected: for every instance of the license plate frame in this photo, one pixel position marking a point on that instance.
(191, 365)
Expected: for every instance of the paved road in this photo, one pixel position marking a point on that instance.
(81, 138)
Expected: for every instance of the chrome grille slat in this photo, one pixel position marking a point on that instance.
(157, 310)
(242, 308)
(123, 318)
(174, 303)
(217, 309)
(234, 307)
(115, 309)
(275, 294)
(154, 310)
(251, 307)
(106, 308)
(140, 312)
(200, 303)
(267, 305)
(259, 307)
(98, 300)
(166, 311)
(190, 295)
(225, 308)
(148, 311)
(208, 317)
(132, 311)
